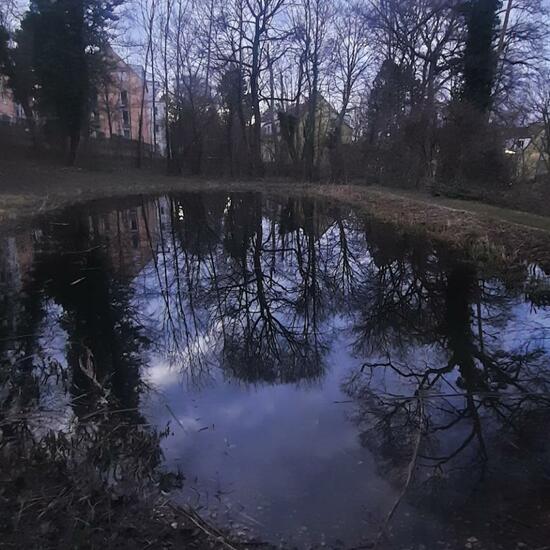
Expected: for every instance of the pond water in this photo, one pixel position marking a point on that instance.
(297, 371)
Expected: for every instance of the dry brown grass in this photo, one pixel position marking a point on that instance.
(488, 232)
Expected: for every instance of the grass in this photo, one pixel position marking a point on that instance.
(487, 232)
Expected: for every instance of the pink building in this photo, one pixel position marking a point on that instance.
(10, 112)
(121, 98)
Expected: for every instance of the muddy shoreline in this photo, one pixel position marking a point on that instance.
(485, 233)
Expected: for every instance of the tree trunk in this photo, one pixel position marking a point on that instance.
(311, 129)
(74, 141)
(257, 161)
(169, 166)
(108, 109)
(31, 124)
(144, 86)
(141, 113)
(274, 134)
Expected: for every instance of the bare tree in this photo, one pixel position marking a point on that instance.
(539, 106)
(165, 22)
(148, 12)
(423, 37)
(262, 14)
(311, 32)
(10, 14)
(271, 69)
(522, 49)
(350, 62)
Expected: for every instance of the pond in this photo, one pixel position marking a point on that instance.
(297, 372)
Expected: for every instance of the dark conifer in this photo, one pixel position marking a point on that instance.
(479, 61)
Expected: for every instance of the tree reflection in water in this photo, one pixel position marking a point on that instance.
(75, 446)
(225, 298)
(452, 380)
(231, 286)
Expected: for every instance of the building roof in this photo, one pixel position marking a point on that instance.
(522, 132)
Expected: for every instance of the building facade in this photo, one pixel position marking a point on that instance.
(528, 148)
(326, 120)
(124, 105)
(124, 98)
(10, 112)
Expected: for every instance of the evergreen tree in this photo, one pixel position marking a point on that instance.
(16, 64)
(390, 101)
(479, 60)
(69, 38)
(4, 38)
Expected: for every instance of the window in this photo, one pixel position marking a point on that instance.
(126, 118)
(124, 98)
(127, 134)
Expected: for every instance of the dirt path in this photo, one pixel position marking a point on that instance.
(517, 217)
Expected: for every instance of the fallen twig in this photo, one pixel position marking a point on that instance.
(410, 472)
(176, 418)
(207, 529)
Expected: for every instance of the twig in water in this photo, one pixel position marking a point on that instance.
(410, 472)
(204, 527)
(175, 417)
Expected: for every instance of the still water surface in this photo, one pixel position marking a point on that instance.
(299, 364)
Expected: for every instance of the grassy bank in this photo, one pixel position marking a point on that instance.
(490, 235)
(49, 500)
(486, 232)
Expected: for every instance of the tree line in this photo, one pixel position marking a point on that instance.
(419, 90)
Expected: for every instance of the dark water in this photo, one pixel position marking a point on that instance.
(304, 368)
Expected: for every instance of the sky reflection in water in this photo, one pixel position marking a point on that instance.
(302, 356)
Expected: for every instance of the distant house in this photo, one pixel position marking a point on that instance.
(134, 233)
(118, 108)
(528, 146)
(10, 111)
(124, 97)
(289, 129)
